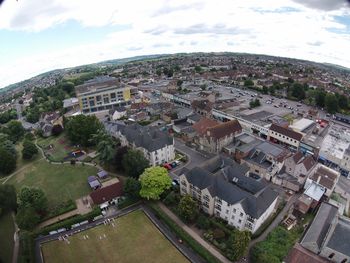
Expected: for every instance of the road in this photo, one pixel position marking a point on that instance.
(195, 158)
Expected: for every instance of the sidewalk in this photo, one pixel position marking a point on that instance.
(194, 235)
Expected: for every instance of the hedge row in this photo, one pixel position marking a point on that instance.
(26, 247)
(70, 221)
(205, 254)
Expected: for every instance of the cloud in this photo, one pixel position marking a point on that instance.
(167, 9)
(325, 5)
(316, 43)
(205, 29)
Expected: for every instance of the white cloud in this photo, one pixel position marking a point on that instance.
(283, 28)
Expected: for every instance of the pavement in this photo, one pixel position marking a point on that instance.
(194, 235)
(186, 251)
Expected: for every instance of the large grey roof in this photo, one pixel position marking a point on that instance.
(230, 184)
(340, 238)
(317, 231)
(150, 138)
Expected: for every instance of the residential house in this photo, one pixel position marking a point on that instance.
(266, 159)
(329, 235)
(109, 191)
(202, 107)
(157, 146)
(284, 136)
(117, 113)
(217, 137)
(223, 189)
(48, 120)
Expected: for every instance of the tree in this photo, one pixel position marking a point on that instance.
(298, 91)
(203, 86)
(188, 208)
(105, 146)
(179, 83)
(16, 130)
(265, 90)
(198, 69)
(29, 150)
(29, 136)
(254, 103)
(7, 161)
(171, 199)
(118, 157)
(203, 222)
(343, 102)
(134, 163)
(239, 241)
(81, 128)
(154, 181)
(331, 103)
(10, 147)
(33, 197)
(8, 198)
(132, 188)
(57, 129)
(248, 83)
(27, 218)
(320, 98)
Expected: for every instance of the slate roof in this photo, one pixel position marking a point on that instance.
(318, 229)
(194, 117)
(254, 197)
(327, 177)
(287, 132)
(340, 237)
(149, 138)
(298, 254)
(202, 104)
(224, 129)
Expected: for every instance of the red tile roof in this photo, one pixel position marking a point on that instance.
(107, 193)
(203, 124)
(298, 254)
(224, 129)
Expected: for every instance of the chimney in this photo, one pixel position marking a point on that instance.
(318, 179)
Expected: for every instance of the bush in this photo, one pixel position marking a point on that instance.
(203, 222)
(170, 199)
(218, 233)
(128, 201)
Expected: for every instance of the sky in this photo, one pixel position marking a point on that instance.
(41, 35)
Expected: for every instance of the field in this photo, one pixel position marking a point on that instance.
(133, 239)
(7, 230)
(60, 182)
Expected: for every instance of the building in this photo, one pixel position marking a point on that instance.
(103, 94)
(48, 120)
(215, 138)
(110, 190)
(266, 159)
(324, 176)
(223, 189)
(117, 113)
(71, 104)
(157, 146)
(329, 235)
(284, 136)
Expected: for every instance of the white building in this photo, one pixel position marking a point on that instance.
(223, 190)
(157, 146)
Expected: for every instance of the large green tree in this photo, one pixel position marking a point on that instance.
(134, 163)
(331, 103)
(188, 208)
(27, 218)
(154, 181)
(8, 198)
(80, 129)
(29, 150)
(33, 197)
(7, 161)
(105, 146)
(132, 188)
(16, 130)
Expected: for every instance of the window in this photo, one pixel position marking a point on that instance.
(240, 221)
(98, 98)
(218, 207)
(241, 214)
(206, 197)
(218, 201)
(344, 260)
(227, 211)
(112, 95)
(184, 183)
(105, 100)
(331, 255)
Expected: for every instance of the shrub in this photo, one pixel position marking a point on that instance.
(170, 199)
(203, 222)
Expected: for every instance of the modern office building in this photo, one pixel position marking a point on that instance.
(103, 93)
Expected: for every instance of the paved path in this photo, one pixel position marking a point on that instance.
(194, 235)
(275, 222)
(16, 241)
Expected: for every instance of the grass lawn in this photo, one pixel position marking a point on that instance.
(61, 147)
(134, 239)
(60, 182)
(20, 161)
(7, 230)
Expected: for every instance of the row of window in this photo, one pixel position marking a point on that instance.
(284, 137)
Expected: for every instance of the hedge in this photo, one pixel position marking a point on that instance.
(127, 202)
(26, 247)
(70, 221)
(205, 254)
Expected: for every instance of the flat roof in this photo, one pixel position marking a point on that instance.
(302, 124)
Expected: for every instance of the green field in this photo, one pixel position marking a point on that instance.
(60, 182)
(7, 229)
(134, 239)
(61, 147)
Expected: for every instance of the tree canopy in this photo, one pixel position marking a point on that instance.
(33, 197)
(8, 198)
(134, 163)
(80, 129)
(132, 188)
(188, 208)
(105, 146)
(29, 150)
(15, 130)
(154, 181)
(7, 161)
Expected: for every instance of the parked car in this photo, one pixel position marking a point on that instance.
(173, 164)
(167, 166)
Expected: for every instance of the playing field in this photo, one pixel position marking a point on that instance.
(133, 239)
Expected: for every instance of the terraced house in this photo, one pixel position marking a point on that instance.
(223, 189)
